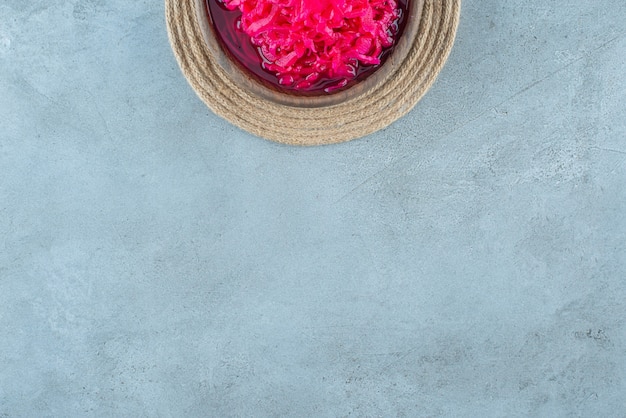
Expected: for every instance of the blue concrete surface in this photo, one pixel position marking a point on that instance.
(470, 260)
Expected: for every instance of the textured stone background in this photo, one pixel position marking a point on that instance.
(470, 260)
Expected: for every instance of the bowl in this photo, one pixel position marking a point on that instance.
(245, 80)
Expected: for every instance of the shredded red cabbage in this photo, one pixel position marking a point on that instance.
(303, 40)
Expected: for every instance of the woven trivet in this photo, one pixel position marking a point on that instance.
(374, 109)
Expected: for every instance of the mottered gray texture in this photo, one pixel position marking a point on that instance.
(469, 260)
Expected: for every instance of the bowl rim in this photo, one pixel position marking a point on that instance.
(241, 76)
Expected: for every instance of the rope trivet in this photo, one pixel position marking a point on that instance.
(373, 110)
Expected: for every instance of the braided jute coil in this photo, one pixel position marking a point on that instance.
(374, 109)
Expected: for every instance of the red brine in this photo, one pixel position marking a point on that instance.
(309, 46)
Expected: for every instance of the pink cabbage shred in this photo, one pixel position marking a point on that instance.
(303, 41)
